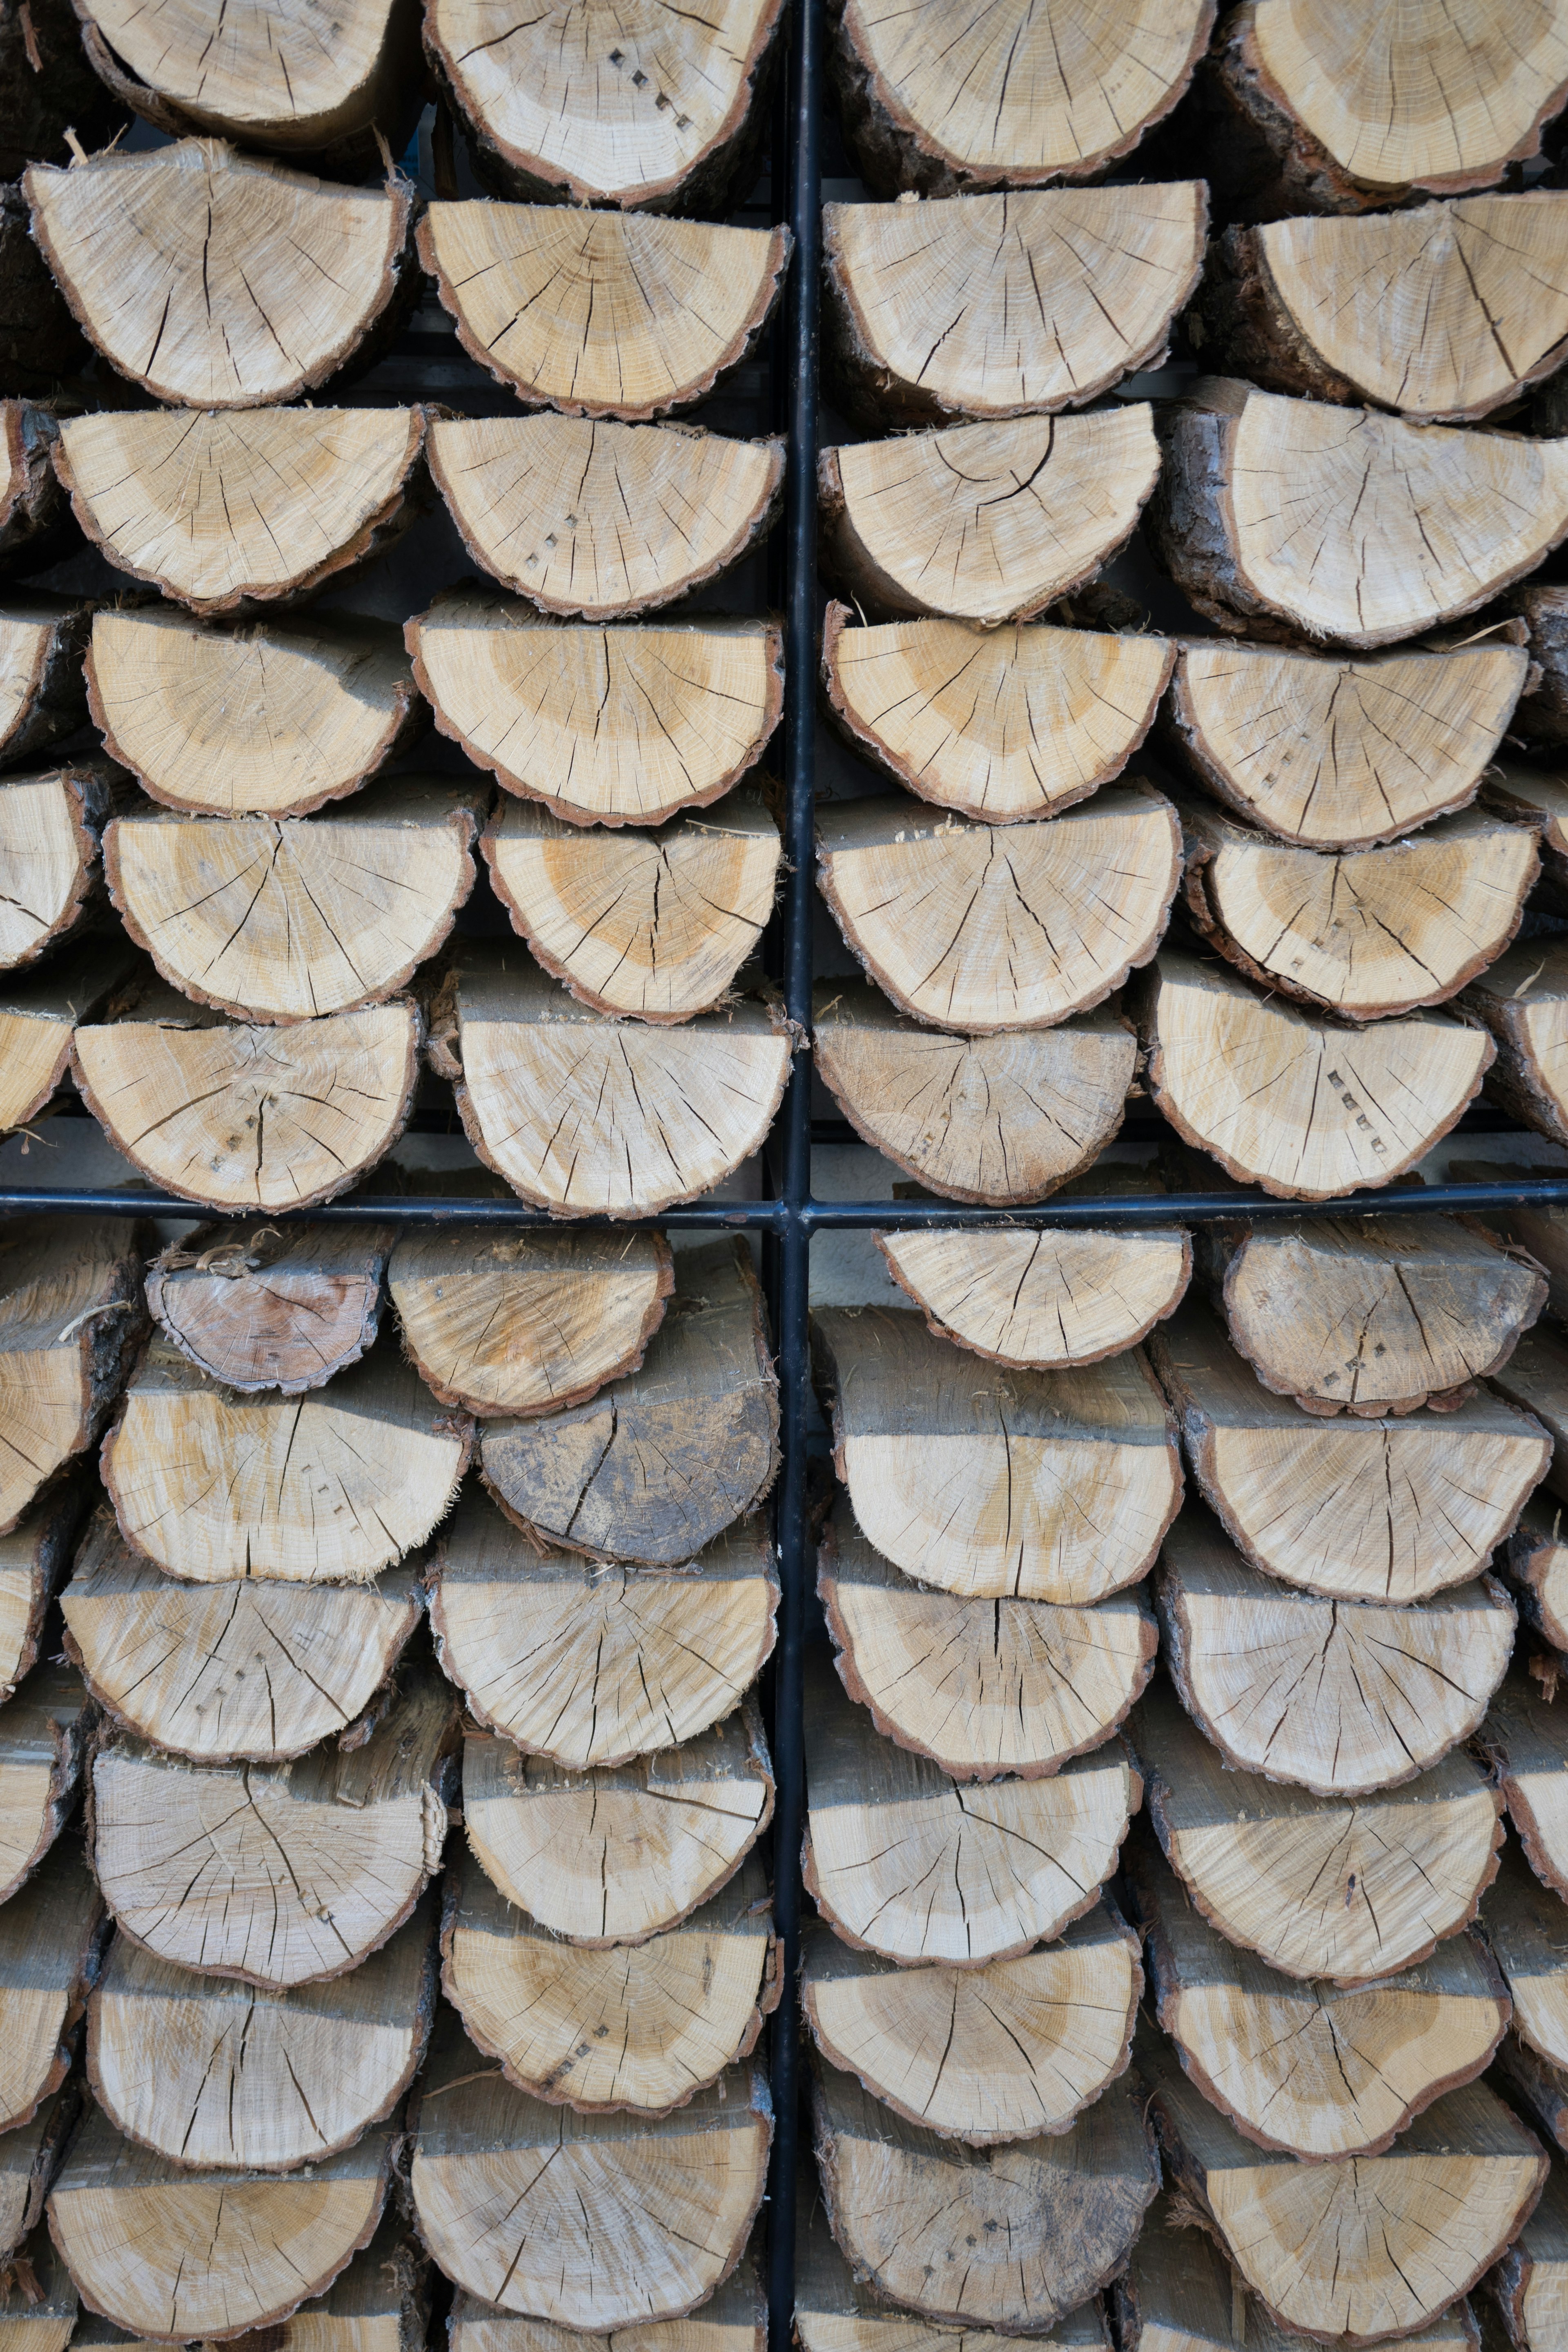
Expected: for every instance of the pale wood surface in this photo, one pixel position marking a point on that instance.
(45, 1729)
(72, 1320)
(34, 1559)
(1524, 1739)
(51, 829)
(51, 1938)
(263, 1306)
(733, 2319)
(1531, 2281)
(1535, 1379)
(836, 2311)
(42, 637)
(1524, 1000)
(39, 1014)
(29, 2157)
(1523, 1924)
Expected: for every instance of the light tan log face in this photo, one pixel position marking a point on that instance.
(72, 1320)
(1038, 1485)
(29, 493)
(918, 1868)
(1047, 1298)
(733, 2319)
(261, 1306)
(50, 1937)
(34, 1557)
(51, 824)
(1340, 754)
(983, 1687)
(1529, 2283)
(639, 2028)
(44, 1731)
(1524, 1000)
(1000, 306)
(1522, 1921)
(613, 1854)
(1004, 2053)
(1348, 1888)
(166, 2255)
(41, 1011)
(1535, 1562)
(1525, 1740)
(29, 2157)
(602, 313)
(1001, 724)
(41, 692)
(836, 2311)
(1535, 1380)
(987, 522)
(541, 502)
(219, 510)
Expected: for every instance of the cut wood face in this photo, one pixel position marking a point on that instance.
(835, 2312)
(1003, 2053)
(605, 727)
(165, 2255)
(1343, 1698)
(1307, 1110)
(602, 313)
(1524, 1002)
(71, 1321)
(1540, 798)
(733, 2320)
(1050, 2219)
(1525, 1740)
(1378, 1315)
(1534, 1228)
(1033, 1486)
(256, 1669)
(51, 824)
(286, 919)
(220, 511)
(998, 1117)
(541, 502)
(529, 1323)
(999, 306)
(653, 925)
(1036, 94)
(988, 523)
(663, 1461)
(1392, 1511)
(1537, 2089)
(277, 1874)
(613, 1854)
(210, 2073)
(999, 725)
(1544, 612)
(41, 695)
(33, 1559)
(586, 1664)
(1535, 1379)
(1320, 2070)
(242, 1117)
(50, 1938)
(1362, 933)
(1523, 1924)
(586, 1117)
(641, 2028)
(908, 1863)
(971, 930)
(268, 1306)
(1531, 2281)
(589, 2221)
(1339, 754)
(44, 1730)
(1349, 1888)
(1044, 1299)
(215, 280)
(1535, 1561)
(29, 2159)
(271, 719)
(983, 1687)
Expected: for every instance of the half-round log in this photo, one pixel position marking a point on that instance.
(51, 1937)
(1530, 2279)
(836, 2311)
(733, 2320)
(543, 502)
(30, 500)
(34, 1557)
(1535, 1380)
(44, 1726)
(1524, 1738)
(1522, 1922)
(1524, 1000)
(42, 698)
(38, 1014)
(51, 830)
(1539, 797)
(72, 1320)
(29, 2157)
(271, 1306)
(1534, 1561)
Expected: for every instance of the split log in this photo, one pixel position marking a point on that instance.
(527, 1323)
(983, 1687)
(1378, 1315)
(1030, 96)
(253, 1669)
(215, 280)
(1282, 518)
(996, 1118)
(380, 2304)
(1344, 1697)
(1529, 2283)
(1008, 2239)
(1339, 754)
(1542, 719)
(1539, 797)
(541, 503)
(1353, 1889)
(166, 2253)
(270, 719)
(835, 2312)
(242, 1117)
(29, 2159)
(1535, 1379)
(51, 1935)
(1534, 1561)
(587, 1116)
(1009, 2052)
(1536, 1228)
(42, 638)
(585, 1665)
(661, 1462)
(1524, 1000)
(1523, 1926)
(39, 2311)
(1392, 1511)
(44, 1732)
(988, 523)
(51, 829)
(1317, 2070)
(1281, 1099)
(641, 2028)
(290, 918)
(602, 313)
(1034, 1486)
(30, 500)
(1351, 2249)
(330, 1487)
(606, 726)
(72, 1320)
(970, 930)
(654, 926)
(1525, 1738)
(733, 2320)
(230, 509)
(613, 1854)
(1000, 306)
(1361, 933)
(1007, 724)
(918, 1868)
(209, 2073)
(34, 1557)
(594, 2222)
(269, 1307)
(1535, 2088)
(281, 1873)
